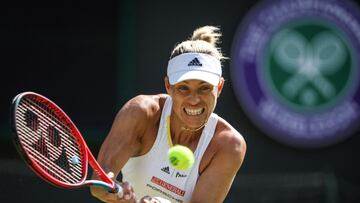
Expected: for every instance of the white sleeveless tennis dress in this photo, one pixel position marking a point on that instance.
(151, 174)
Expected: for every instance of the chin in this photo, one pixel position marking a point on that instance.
(194, 122)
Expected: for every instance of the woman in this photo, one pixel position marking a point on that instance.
(148, 125)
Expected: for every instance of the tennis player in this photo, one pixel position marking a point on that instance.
(148, 125)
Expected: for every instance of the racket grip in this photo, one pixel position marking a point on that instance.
(119, 190)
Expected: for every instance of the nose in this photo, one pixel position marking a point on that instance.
(193, 99)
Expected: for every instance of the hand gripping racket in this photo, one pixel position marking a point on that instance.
(51, 144)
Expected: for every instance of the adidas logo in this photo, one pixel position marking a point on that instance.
(166, 169)
(195, 62)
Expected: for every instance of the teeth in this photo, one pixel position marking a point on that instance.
(194, 112)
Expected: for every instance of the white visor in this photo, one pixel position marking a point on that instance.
(194, 66)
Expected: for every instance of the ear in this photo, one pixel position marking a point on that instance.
(220, 86)
(167, 85)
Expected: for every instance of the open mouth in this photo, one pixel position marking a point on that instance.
(194, 112)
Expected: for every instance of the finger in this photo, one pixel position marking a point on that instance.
(128, 190)
(111, 197)
(110, 201)
(145, 199)
(120, 191)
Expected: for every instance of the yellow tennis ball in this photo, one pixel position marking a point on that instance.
(181, 157)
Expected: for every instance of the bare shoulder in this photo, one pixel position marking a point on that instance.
(229, 141)
(139, 114)
(143, 106)
(136, 121)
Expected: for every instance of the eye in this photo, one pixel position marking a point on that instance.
(205, 88)
(182, 88)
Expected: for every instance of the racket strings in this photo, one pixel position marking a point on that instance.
(49, 164)
(52, 125)
(48, 141)
(67, 132)
(41, 147)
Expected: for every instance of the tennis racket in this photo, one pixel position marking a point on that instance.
(52, 146)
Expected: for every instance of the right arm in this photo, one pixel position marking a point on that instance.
(124, 140)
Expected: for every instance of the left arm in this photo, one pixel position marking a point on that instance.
(216, 179)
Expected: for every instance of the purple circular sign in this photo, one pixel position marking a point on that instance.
(295, 70)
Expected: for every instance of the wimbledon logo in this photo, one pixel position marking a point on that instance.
(295, 70)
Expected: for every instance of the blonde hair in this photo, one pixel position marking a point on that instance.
(204, 40)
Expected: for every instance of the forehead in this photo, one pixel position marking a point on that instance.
(193, 82)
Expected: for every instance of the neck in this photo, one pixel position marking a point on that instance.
(183, 135)
(193, 129)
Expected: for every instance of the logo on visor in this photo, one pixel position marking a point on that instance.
(195, 62)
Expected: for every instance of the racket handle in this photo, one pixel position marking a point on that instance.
(119, 190)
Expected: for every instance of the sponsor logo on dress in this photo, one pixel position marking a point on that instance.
(167, 186)
(179, 175)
